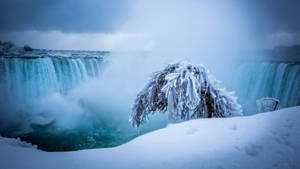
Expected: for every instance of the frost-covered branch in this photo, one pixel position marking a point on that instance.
(185, 91)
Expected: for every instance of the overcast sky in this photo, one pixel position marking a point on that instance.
(103, 24)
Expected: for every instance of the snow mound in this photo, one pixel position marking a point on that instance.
(266, 140)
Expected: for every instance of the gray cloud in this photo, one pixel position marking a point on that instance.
(267, 16)
(63, 15)
(264, 19)
(107, 15)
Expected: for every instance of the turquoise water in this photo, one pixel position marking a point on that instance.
(254, 80)
(40, 102)
(40, 105)
(38, 76)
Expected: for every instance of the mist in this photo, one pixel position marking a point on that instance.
(215, 34)
(201, 32)
(208, 32)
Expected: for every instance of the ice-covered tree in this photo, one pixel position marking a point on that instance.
(186, 91)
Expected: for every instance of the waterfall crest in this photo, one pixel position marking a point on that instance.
(36, 77)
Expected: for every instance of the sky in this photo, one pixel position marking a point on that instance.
(143, 25)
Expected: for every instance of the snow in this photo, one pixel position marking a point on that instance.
(267, 140)
(186, 91)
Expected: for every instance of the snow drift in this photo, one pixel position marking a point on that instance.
(266, 140)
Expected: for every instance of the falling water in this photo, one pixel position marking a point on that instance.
(26, 78)
(53, 99)
(268, 79)
(26, 81)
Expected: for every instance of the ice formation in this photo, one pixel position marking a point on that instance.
(186, 92)
(267, 104)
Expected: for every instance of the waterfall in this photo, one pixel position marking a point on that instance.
(268, 79)
(53, 99)
(36, 77)
(38, 89)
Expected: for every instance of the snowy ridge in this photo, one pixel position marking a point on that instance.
(266, 140)
(10, 48)
(186, 91)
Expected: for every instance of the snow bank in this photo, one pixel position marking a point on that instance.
(266, 140)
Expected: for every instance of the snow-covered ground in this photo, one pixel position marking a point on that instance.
(267, 140)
